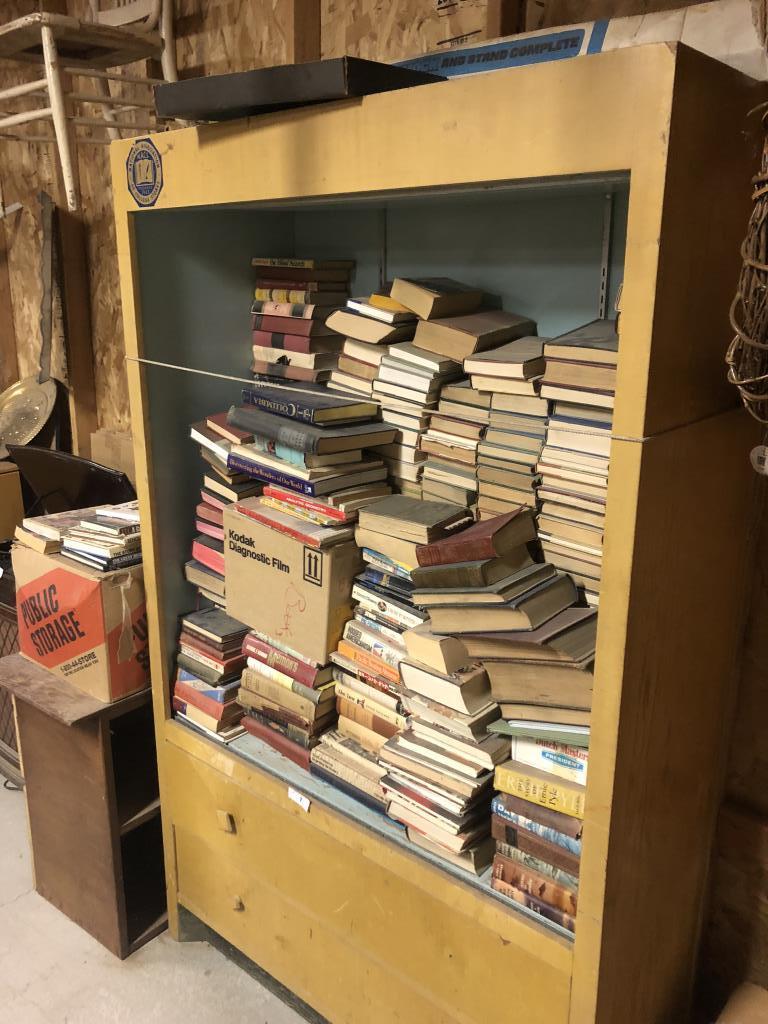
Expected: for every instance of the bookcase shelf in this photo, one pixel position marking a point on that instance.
(505, 180)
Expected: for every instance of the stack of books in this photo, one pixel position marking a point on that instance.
(311, 443)
(537, 825)
(104, 539)
(209, 664)
(289, 700)
(509, 451)
(440, 771)
(456, 431)
(580, 379)
(220, 487)
(369, 326)
(542, 678)
(293, 298)
(522, 594)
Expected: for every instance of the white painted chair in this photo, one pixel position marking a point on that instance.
(129, 31)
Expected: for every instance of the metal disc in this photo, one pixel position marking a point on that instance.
(25, 408)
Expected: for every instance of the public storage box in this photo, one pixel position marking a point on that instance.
(295, 593)
(86, 626)
(11, 508)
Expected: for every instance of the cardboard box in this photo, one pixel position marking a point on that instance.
(114, 449)
(86, 626)
(299, 595)
(11, 508)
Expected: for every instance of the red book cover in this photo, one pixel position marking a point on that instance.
(300, 501)
(277, 741)
(209, 513)
(226, 657)
(208, 555)
(299, 670)
(216, 709)
(287, 324)
(289, 342)
(218, 423)
(215, 500)
(209, 529)
(473, 544)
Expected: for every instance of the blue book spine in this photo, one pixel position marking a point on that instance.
(270, 475)
(270, 401)
(544, 831)
(221, 694)
(387, 579)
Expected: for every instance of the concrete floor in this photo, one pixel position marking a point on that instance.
(52, 972)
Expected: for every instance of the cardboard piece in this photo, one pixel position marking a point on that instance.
(11, 507)
(747, 1005)
(87, 627)
(299, 595)
(724, 29)
(114, 449)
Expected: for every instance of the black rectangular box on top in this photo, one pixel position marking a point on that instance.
(246, 93)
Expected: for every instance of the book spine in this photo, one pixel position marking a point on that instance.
(255, 682)
(542, 909)
(194, 697)
(554, 793)
(366, 717)
(544, 815)
(292, 732)
(372, 644)
(324, 759)
(550, 834)
(276, 676)
(268, 475)
(284, 323)
(270, 657)
(283, 284)
(560, 759)
(388, 579)
(208, 675)
(288, 342)
(209, 558)
(541, 886)
(283, 261)
(276, 740)
(378, 623)
(295, 532)
(442, 553)
(285, 296)
(270, 307)
(221, 693)
(350, 788)
(504, 832)
(351, 696)
(307, 504)
(563, 878)
(262, 420)
(397, 616)
(204, 659)
(273, 711)
(363, 675)
(367, 738)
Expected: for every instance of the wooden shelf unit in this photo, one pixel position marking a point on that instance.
(498, 179)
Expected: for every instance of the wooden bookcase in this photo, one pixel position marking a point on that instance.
(499, 179)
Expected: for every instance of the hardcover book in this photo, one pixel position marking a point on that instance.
(492, 538)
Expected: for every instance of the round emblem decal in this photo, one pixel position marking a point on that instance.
(145, 172)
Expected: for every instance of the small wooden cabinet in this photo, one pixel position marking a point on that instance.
(93, 805)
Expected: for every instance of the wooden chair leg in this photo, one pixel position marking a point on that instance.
(102, 87)
(168, 59)
(59, 112)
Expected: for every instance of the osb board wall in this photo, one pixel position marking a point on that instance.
(382, 30)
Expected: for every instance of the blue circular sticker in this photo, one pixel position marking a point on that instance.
(145, 172)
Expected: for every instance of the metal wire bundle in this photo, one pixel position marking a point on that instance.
(747, 355)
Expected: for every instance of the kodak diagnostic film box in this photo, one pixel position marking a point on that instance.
(86, 626)
(296, 594)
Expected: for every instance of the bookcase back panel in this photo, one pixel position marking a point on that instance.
(539, 252)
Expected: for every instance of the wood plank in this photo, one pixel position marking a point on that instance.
(273, 863)
(9, 363)
(76, 302)
(33, 684)
(70, 821)
(671, 617)
(303, 31)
